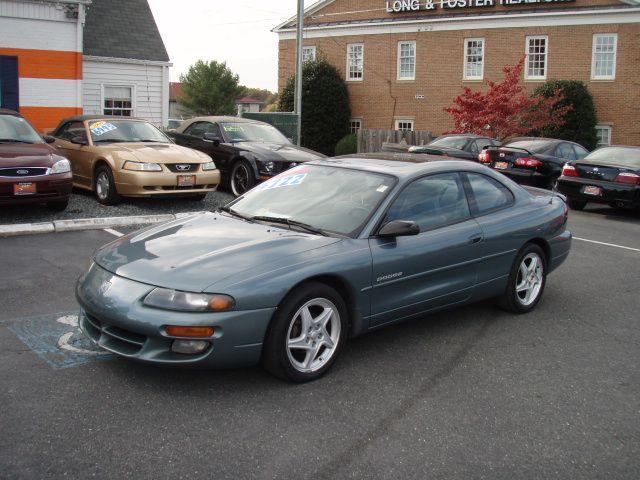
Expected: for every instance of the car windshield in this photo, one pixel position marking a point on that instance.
(450, 142)
(535, 146)
(14, 129)
(110, 131)
(331, 199)
(252, 132)
(624, 157)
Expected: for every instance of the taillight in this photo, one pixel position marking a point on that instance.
(528, 162)
(628, 177)
(570, 171)
(484, 157)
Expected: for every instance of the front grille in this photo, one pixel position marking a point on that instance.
(188, 167)
(23, 171)
(116, 339)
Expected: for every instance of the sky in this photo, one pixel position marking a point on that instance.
(234, 31)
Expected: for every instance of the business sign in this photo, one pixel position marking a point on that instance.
(397, 6)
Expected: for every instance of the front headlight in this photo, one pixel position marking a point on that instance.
(142, 167)
(268, 167)
(168, 299)
(61, 166)
(208, 166)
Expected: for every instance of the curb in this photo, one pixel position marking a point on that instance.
(88, 224)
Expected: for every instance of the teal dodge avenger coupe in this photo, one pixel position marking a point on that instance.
(334, 248)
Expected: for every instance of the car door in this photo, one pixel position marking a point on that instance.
(415, 274)
(79, 155)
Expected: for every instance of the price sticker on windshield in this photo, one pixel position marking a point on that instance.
(288, 181)
(102, 127)
(233, 128)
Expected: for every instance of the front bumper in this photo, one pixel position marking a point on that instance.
(612, 192)
(113, 316)
(145, 184)
(49, 188)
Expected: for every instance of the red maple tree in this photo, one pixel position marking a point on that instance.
(506, 109)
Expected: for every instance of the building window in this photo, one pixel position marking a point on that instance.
(536, 64)
(308, 54)
(474, 58)
(355, 124)
(406, 60)
(355, 62)
(118, 101)
(404, 124)
(603, 63)
(604, 135)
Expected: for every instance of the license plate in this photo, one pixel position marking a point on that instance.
(589, 190)
(24, 188)
(186, 180)
(501, 165)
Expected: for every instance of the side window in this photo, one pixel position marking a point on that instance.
(197, 129)
(565, 150)
(488, 194)
(580, 152)
(71, 130)
(473, 147)
(431, 202)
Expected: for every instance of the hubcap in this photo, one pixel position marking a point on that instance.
(313, 335)
(240, 180)
(102, 186)
(529, 281)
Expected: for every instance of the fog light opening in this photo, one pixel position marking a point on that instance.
(189, 347)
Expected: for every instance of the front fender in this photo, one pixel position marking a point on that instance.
(251, 158)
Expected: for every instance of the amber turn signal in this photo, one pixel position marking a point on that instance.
(189, 332)
(220, 303)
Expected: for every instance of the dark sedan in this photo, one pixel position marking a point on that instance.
(246, 151)
(31, 171)
(609, 175)
(532, 161)
(466, 147)
(325, 251)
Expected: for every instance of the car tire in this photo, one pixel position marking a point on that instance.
(241, 179)
(306, 334)
(58, 205)
(527, 280)
(104, 186)
(575, 204)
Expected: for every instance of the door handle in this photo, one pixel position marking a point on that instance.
(476, 239)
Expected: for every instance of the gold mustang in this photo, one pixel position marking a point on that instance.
(116, 156)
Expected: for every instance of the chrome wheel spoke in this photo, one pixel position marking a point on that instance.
(299, 343)
(530, 279)
(307, 319)
(322, 319)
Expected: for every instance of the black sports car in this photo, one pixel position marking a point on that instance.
(608, 175)
(245, 151)
(532, 161)
(466, 147)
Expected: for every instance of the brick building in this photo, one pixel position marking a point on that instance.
(405, 60)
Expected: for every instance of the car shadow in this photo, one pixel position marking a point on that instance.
(626, 215)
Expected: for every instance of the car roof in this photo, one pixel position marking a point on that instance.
(535, 139)
(401, 165)
(6, 111)
(223, 119)
(466, 135)
(84, 118)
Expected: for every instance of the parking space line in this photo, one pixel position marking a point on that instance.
(114, 232)
(607, 244)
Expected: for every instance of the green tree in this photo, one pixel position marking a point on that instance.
(325, 105)
(579, 121)
(348, 145)
(210, 88)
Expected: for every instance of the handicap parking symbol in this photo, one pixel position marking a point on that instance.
(57, 339)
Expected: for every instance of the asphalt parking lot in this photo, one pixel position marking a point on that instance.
(468, 393)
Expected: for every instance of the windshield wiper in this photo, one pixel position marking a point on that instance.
(152, 141)
(115, 140)
(232, 212)
(291, 223)
(13, 140)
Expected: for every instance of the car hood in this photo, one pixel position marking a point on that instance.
(26, 155)
(154, 152)
(286, 152)
(196, 252)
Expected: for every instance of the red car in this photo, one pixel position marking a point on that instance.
(31, 171)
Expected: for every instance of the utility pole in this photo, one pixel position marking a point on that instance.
(297, 103)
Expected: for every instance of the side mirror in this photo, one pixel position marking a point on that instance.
(212, 137)
(49, 138)
(399, 228)
(79, 141)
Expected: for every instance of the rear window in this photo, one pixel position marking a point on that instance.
(535, 146)
(450, 142)
(625, 157)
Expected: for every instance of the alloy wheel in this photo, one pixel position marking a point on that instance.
(240, 179)
(102, 185)
(313, 335)
(529, 281)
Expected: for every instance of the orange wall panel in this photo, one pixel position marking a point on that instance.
(47, 63)
(48, 117)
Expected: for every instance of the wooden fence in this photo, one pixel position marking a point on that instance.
(390, 140)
